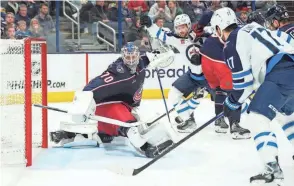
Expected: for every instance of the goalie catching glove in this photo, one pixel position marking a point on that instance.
(161, 57)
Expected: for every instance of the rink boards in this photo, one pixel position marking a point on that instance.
(68, 73)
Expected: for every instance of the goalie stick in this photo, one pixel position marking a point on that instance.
(134, 172)
(95, 118)
(108, 120)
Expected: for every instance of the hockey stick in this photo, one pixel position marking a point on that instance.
(134, 172)
(162, 94)
(159, 117)
(95, 118)
(158, 77)
(104, 119)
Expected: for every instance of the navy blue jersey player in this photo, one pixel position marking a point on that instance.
(260, 62)
(115, 94)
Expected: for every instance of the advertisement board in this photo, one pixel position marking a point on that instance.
(68, 73)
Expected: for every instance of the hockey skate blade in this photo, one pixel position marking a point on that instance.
(237, 136)
(276, 182)
(124, 171)
(220, 130)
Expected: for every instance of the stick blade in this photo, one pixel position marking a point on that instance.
(124, 171)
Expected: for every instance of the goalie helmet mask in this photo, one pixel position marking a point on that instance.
(131, 56)
(277, 12)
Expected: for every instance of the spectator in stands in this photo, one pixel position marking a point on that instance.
(194, 9)
(11, 6)
(10, 32)
(34, 7)
(45, 20)
(112, 12)
(23, 15)
(243, 6)
(156, 26)
(128, 15)
(174, 9)
(22, 31)
(35, 28)
(264, 5)
(98, 13)
(9, 20)
(216, 5)
(160, 9)
(3, 25)
(85, 12)
(244, 16)
(138, 7)
(134, 32)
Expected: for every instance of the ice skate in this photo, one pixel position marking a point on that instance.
(187, 126)
(221, 126)
(238, 132)
(272, 174)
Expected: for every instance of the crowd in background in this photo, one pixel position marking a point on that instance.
(20, 19)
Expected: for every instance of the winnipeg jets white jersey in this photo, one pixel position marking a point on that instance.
(283, 35)
(251, 52)
(184, 46)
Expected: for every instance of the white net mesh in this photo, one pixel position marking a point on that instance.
(12, 99)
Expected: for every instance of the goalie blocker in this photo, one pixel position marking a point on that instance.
(116, 94)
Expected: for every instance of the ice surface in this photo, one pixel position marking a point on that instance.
(207, 159)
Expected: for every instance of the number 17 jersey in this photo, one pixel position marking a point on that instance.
(251, 52)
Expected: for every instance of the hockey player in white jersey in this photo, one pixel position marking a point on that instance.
(262, 62)
(182, 41)
(259, 18)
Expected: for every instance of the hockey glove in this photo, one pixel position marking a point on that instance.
(232, 111)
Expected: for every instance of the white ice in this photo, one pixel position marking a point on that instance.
(207, 159)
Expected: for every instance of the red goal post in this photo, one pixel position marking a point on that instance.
(23, 83)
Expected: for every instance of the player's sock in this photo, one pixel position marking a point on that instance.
(185, 121)
(288, 127)
(220, 124)
(265, 140)
(271, 173)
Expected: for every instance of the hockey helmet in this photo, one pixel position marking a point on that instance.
(257, 17)
(223, 18)
(182, 19)
(130, 55)
(276, 12)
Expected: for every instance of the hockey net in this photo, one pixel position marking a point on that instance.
(23, 82)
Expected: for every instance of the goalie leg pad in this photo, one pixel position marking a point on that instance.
(82, 106)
